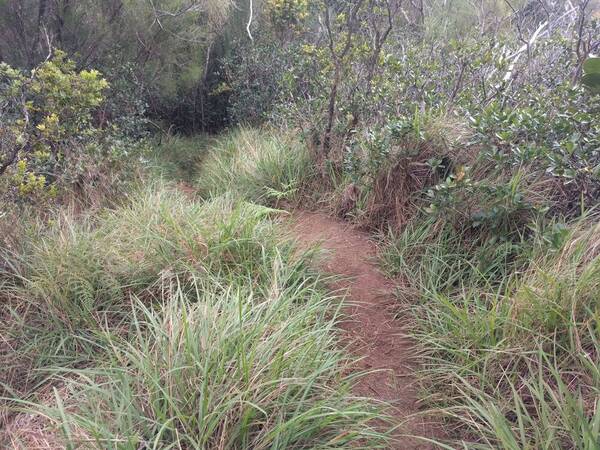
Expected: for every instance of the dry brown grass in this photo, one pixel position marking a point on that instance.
(35, 430)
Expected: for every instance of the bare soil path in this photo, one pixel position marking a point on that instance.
(370, 328)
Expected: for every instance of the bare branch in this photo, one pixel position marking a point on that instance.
(250, 20)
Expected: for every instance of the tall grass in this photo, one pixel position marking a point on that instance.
(256, 165)
(219, 368)
(171, 323)
(509, 335)
(179, 157)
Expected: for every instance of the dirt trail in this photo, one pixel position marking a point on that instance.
(370, 329)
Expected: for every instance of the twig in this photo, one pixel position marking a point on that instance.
(250, 20)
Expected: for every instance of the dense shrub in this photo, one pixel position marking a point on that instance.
(467, 136)
(44, 116)
(478, 110)
(164, 51)
(56, 134)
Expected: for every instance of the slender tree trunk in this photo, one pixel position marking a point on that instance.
(61, 13)
(338, 59)
(326, 144)
(42, 7)
(204, 83)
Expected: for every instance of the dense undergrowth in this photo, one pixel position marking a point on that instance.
(505, 316)
(259, 165)
(505, 311)
(173, 321)
(474, 156)
(508, 332)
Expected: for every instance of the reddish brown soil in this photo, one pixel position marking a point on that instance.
(370, 328)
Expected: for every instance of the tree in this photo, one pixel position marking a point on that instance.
(169, 43)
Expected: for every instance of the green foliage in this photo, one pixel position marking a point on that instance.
(171, 46)
(167, 321)
(256, 165)
(508, 330)
(499, 207)
(591, 75)
(60, 135)
(172, 321)
(403, 108)
(223, 377)
(179, 157)
(258, 76)
(47, 115)
(287, 13)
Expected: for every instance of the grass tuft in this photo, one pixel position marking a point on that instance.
(508, 333)
(256, 165)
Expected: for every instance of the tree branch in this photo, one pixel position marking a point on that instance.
(250, 20)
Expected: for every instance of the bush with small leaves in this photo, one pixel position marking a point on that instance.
(47, 117)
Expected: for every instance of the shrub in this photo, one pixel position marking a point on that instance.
(46, 114)
(511, 115)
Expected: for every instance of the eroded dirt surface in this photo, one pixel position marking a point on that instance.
(370, 328)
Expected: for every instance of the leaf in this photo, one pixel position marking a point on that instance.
(591, 66)
(592, 82)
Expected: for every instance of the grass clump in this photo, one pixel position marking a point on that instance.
(179, 157)
(257, 165)
(169, 322)
(509, 334)
(220, 367)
